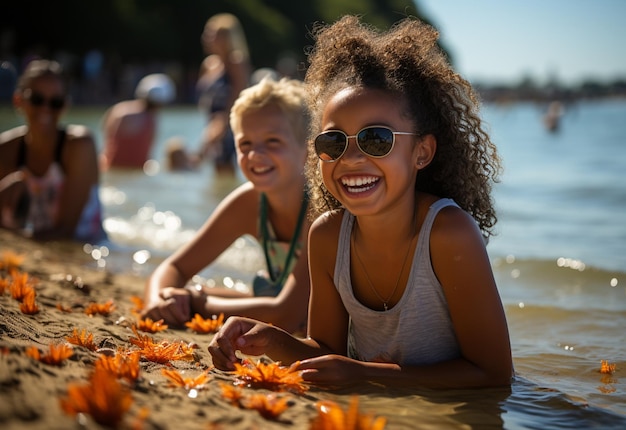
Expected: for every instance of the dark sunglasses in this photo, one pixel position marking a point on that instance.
(375, 141)
(38, 100)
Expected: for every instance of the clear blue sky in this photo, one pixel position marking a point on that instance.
(505, 40)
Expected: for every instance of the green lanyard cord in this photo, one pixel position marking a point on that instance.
(294, 239)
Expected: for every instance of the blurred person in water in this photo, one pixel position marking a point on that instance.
(130, 127)
(223, 74)
(270, 123)
(49, 174)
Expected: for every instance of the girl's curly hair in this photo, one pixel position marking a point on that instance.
(407, 62)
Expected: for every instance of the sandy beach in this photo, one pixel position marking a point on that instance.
(31, 392)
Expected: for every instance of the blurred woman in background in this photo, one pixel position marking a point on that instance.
(48, 172)
(223, 74)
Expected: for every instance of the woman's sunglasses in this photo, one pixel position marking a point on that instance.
(375, 141)
(38, 100)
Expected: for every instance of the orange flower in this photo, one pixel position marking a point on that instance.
(177, 380)
(83, 339)
(163, 352)
(204, 326)
(139, 305)
(28, 305)
(56, 356)
(605, 367)
(151, 326)
(11, 261)
(330, 416)
(100, 308)
(104, 398)
(271, 376)
(21, 286)
(123, 365)
(231, 393)
(269, 406)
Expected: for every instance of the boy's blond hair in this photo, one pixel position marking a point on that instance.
(288, 94)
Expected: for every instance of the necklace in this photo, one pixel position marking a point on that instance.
(374, 290)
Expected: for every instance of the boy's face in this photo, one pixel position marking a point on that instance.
(268, 151)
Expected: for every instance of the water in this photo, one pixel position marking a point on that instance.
(559, 259)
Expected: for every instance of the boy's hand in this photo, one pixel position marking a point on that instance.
(174, 307)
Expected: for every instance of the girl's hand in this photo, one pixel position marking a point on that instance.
(174, 307)
(239, 334)
(332, 370)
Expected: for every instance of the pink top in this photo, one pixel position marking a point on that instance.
(129, 143)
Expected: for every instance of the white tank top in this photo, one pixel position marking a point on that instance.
(418, 329)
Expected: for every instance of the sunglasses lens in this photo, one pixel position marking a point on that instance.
(56, 103)
(36, 99)
(330, 145)
(375, 141)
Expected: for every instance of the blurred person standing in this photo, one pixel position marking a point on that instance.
(130, 127)
(49, 174)
(224, 73)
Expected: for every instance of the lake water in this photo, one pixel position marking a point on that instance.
(559, 259)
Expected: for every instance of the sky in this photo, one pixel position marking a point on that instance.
(504, 41)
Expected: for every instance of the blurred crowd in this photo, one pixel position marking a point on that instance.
(100, 80)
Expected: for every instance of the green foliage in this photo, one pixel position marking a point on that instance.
(169, 30)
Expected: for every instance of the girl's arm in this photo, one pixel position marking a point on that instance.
(328, 321)
(234, 217)
(287, 310)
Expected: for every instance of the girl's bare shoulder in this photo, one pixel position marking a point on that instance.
(328, 224)
(9, 136)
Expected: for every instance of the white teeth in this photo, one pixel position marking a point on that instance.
(357, 182)
(360, 184)
(260, 170)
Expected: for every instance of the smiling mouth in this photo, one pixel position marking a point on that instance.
(261, 170)
(360, 184)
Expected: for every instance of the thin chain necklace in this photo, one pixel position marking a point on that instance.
(406, 256)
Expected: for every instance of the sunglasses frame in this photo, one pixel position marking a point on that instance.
(358, 144)
(36, 99)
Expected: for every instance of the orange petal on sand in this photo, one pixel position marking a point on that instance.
(231, 393)
(57, 354)
(21, 285)
(63, 309)
(605, 367)
(270, 376)
(270, 406)
(139, 305)
(28, 305)
(9, 260)
(205, 326)
(330, 416)
(84, 339)
(104, 398)
(124, 364)
(149, 326)
(162, 352)
(100, 308)
(178, 380)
